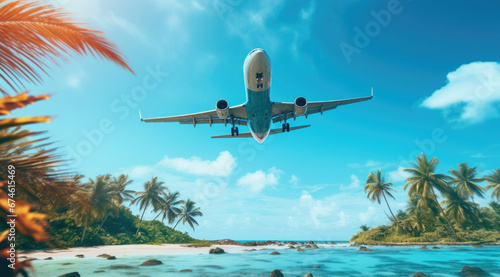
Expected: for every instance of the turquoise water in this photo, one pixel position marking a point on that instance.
(327, 261)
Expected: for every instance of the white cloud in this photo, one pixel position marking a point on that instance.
(222, 166)
(294, 180)
(310, 211)
(369, 164)
(257, 181)
(353, 185)
(470, 94)
(398, 175)
(368, 216)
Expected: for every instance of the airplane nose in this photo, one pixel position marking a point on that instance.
(260, 135)
(259, 55)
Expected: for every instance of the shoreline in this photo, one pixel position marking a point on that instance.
(134, 249)
(148, 249)
(469, 243)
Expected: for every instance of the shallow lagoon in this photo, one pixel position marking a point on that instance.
(333, 260)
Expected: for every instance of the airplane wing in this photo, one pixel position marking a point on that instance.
(239, 114)
(272, 132)
(282, 110)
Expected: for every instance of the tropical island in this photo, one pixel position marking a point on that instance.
(457, 218)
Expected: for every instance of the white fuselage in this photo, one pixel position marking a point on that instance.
(257, 74)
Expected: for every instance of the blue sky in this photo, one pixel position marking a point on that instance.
(433, 65)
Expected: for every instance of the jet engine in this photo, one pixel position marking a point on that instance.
(222, 108)
(300, 106)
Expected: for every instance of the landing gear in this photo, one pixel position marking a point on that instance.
(285, 127)
(235, 131)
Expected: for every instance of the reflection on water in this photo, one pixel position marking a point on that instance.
(324, 262)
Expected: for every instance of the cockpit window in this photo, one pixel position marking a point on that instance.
(256, 49)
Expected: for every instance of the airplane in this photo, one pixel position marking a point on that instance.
(259, 111)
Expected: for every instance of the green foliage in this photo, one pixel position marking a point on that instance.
(364, 227)
(118, 229)
(202, 243)
(456, 218)
(387, 234)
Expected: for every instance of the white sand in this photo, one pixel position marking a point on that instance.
(135, 249)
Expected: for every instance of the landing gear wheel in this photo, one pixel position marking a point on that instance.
(285, 127)
(235, 131)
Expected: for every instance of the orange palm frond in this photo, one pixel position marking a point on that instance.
(33, 33)
(21, 100)
(28, 223)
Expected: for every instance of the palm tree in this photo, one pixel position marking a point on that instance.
(188, 213)
(424, 180)
(103, 197)
(81, 209)
(120, 185)
(153, 194)
(493, 181)
(170, 210)
(34, 35)
(459, 208)
(364, 228)
(376, 186)
(466, 181)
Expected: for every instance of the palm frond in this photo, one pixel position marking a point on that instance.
(34, 33)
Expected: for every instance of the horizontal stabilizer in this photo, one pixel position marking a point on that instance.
(272, 132)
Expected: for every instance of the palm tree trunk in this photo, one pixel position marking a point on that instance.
(157, 216)
(444, 215)
(395, 219)
(177, 223)
(84, 230)
(139, 226)
(102, 222)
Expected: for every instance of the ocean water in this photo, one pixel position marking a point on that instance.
(329, 260)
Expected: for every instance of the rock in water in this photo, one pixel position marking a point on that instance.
(424, 247)
(152, 262)
(477, 245)
(435, 248)
(186, 270)
(473, 272)
(217, 250)
(111, 258)
(105, 256)
(80, 256)
(275, 253)
(48, 258)
(420, 274)
(76, 274)
(276, 273)
(308, 275)
(300, 249)
(362, 248)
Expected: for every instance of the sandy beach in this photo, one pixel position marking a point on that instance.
(135, 249)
